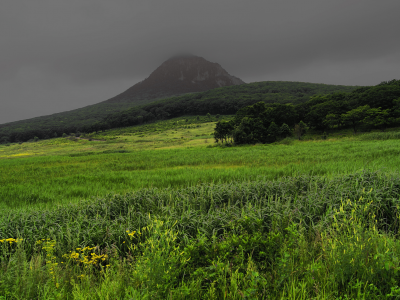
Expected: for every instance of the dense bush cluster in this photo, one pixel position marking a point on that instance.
(258, 123)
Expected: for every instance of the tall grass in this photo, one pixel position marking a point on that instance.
(52, 180)
(294, 238)
(299, 220)
(380, 136)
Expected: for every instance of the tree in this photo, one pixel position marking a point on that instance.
(335, 105)
(355, 116)
(249, 131)
(300, 129)
(283, 113)
(285, 131)
(332, 120)
(223, 130)
(4, 140)
(273, 132)
(378, 118)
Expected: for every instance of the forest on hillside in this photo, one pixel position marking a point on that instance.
(226, 100)
(366, 108)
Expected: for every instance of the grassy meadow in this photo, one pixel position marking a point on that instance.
(159, 211)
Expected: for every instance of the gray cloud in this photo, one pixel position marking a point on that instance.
(61, 55)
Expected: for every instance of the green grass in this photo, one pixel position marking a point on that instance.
(59, 179)
(311, 219)
(285, 239)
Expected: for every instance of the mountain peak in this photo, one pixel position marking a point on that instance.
(179, 75)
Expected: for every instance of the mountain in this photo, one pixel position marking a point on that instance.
(181, 85)
(176, 76)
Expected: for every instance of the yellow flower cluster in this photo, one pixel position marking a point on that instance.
(10, 241)
(131, 234)
(86, 255)
(49, 246)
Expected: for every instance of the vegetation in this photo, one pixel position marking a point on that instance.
(172, 153)
(143, 213)
(372, 107)
(106, 115)
(300, 237)
(158, 211)
(367, 108)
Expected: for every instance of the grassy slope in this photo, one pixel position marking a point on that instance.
(245, 237)
(170, 153)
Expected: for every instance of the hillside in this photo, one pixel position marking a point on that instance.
(177, 76)
(223, 100)
(156, 212)
(159, 211)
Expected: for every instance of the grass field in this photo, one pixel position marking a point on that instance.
(160, 212)
(55, 179)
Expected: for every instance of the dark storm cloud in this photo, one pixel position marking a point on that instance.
(60, 55)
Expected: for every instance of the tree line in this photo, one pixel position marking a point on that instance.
(223, 101)
(364, 108)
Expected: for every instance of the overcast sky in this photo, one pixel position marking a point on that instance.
(59, 55)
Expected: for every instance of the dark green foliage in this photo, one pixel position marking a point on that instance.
(260, 123)
(249, 131)
(369, 107)
(378, 118)
(223, 131)
(300, 129)
(285, 131)
(273, 132)
(322, 107)
(355, 116)
(223, 101)
(4, 140)
(316, 110)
